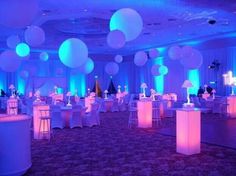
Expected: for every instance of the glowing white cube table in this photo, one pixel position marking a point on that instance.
(188, 131)
(231, 108)
(15, 142)
(144, 108)
(37, 114)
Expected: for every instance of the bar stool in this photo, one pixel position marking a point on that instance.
(45, 124)
(12, 108)
(133, 118)
(156, 119)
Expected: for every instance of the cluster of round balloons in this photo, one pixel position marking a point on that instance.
(10, 61)
(189, 57)
(73, 53)
(118, 58)
(158, 70)
(140, 58)
(125, 25)
(111, 68)
(43, 56)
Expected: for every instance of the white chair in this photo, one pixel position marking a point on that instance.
(122, 105)
(115, 106)
(12, 107)
(76, 118)
(92, 118)
(132, 105)
(56, 118)
(102, 107)
(133, 118)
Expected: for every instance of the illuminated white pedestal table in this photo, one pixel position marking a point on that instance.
(144, 108)
(231, 108)
(188, 131)
(36, 117)
(15, 151)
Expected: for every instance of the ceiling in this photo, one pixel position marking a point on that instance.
(166, 22)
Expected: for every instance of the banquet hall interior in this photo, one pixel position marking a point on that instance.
(119, 87)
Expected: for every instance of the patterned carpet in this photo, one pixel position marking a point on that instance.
(114, 149)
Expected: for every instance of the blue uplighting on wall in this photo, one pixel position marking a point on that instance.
(2, 81)
(193, 76)
(159, 80)
(21, 85)
(78, 82)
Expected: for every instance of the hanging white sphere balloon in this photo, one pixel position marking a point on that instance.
(22, 50)
(187, 51)
(118, 58)
(153, 53)
(163, 70)
(128, 21)
(9, 60)
(87, 67)
(175, 52)
(73, 52)
(112, 68)
(155, 70)
(140, 58)
(34, 36)
(17, 13)
(12, 41)
(24, 74)
(43, 56)
(116, 39)
(194, 61)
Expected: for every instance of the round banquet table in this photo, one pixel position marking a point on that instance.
(15, 150)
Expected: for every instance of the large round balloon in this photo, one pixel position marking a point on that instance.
(22, 50)
(24, 74)
(175, 52)
(34, 36)
(128, 21)
(187, 51)
(194, 61)
(118, 58)
(73, 52)
(153, 53)
(43, 56)
(17, 13)
(12, 41)
(163, 70)
(116, 39)
(155, 70)
(140, 58)
(112, 68)
(9, 60)
(87, 67)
